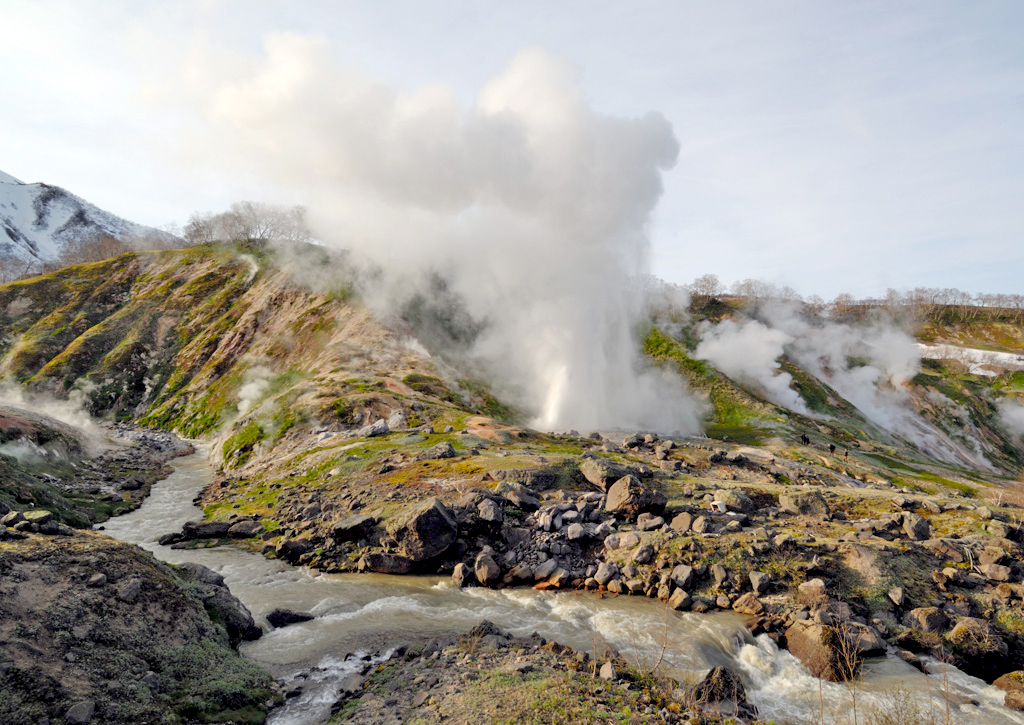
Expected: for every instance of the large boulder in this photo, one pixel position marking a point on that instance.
(735, 501)
(916, 527)
(603, 472)
(929, 620)
(828, 652)
(629, 498)
(723, 691)
(205, 529)
(354, 528)
(425, 531)
(386, 563)
(804, 502)
(978, 647)
(278, 618)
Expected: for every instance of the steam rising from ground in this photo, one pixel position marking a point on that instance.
(749, 352)
(528, 205)
(1012, 415)
(71, 412)
(868, 365)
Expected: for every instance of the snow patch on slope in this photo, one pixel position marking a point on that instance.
(37, 220)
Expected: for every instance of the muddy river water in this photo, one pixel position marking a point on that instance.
(370, 613)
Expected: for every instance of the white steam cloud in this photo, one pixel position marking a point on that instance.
(255, 383)
(868, 365)
(71, 412)
(1012, 415)
(528, 204)
(748, 352)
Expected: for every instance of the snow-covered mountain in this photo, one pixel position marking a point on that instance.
(37, 220)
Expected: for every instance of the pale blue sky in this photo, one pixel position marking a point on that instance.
(832, 146)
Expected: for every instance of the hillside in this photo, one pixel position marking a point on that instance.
(345, 446)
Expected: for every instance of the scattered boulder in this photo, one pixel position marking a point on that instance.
(81, 713)
(680, 599)
(603, 472)
(205, 529)
(245, 529)
(460, 573)
(812, 591)
(487, 570)
(748, 604)
(377, 428)
(723, 689)
(929, 620)
(996, 572)
(824, 650)
(803, 502)
(440, 451)
(681, 522)
(916, 527)
(386, 563)
(489, 510)
(629, 498)
(292, 549)
(283, 617)
(354, 528)
(426, 530)
(978, 647)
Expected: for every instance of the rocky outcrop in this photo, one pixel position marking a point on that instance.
(978, 647)
(603, 472)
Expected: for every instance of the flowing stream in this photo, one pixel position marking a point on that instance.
(367, 614)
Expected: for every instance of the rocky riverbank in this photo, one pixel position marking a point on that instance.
(94, 630)
(825, 555)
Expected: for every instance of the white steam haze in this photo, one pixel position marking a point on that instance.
(749, 352)
(530, 205)
(70, 412)
(868, 365)
(255, 383)
(1012, 415)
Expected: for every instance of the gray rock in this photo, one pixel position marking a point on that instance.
(438, 452)
(649, 522)
(354, 528)
(916, 527)
(759, 581)
(603, 472)
(488, 510)
(605, 573)
(545, 569)
(682, 575)
(680, 599)
(643, 555)
(81, 713)
(283, 617)
(245, 529)
(929, 620)
(460, 573)
(809, 502)
(426, 530)
(608, 672)
(129, 590)
(203, 574)
(629, 498)
(386, 563)
(681, 522)
(377, 428)
(205, 529)
(487, 570)
(96, 580)
(996, 572)
(576, 532)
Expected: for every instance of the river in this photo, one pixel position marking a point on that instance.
(367, 614)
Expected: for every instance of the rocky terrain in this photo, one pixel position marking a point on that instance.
(93, 630)
(344, 447)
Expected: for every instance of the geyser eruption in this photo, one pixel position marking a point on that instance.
(531, 206)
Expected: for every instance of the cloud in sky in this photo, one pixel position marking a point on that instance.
(832, 147)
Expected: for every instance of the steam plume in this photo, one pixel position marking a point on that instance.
(529, 205)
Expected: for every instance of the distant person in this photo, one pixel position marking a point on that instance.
(804, 439)
(831, 447)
